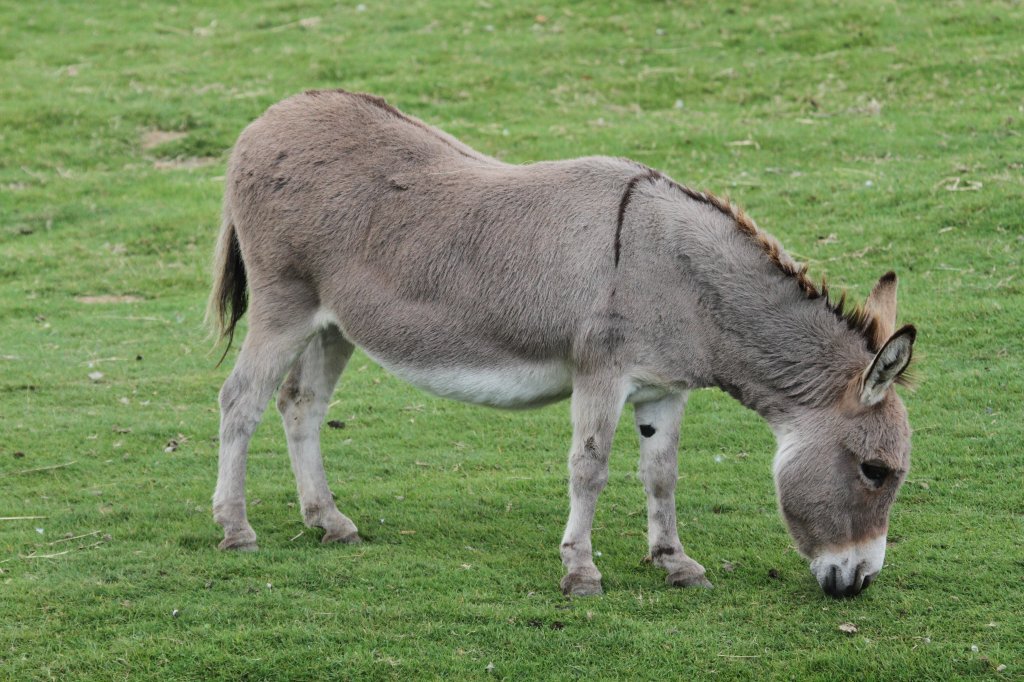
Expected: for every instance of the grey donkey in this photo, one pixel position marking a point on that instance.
(348, 223)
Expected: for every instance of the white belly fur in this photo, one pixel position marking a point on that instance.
(515, 386)
(519, 385)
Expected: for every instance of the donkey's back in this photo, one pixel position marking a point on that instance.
(394, 229)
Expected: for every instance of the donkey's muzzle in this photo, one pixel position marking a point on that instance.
(835, 584)
(844, 571)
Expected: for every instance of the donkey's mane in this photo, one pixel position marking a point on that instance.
(856, 317)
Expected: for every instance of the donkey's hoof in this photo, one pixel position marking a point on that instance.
(349, 538)
(581, 585)
(239, 542)
(688, 579)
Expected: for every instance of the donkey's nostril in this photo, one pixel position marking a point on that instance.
(834, 585)
(830, 585)
(858, 577)
(847, 572)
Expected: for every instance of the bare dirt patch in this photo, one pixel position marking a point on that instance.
(108, 298)
(154, 138)
(185, 163)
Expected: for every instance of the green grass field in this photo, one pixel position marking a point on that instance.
(866, 135)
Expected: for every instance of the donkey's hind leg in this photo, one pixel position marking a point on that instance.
(267, 352)
(658, 424)
(302, 401)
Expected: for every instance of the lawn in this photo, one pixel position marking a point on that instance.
(867, 136)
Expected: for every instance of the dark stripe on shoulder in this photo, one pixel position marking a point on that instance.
(648, 174)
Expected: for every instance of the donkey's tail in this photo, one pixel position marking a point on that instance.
(229, 297)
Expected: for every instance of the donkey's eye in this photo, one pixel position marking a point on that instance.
(875, 472)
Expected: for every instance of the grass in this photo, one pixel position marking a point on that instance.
(866, 135)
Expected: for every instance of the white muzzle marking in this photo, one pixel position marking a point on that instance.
(867, 556)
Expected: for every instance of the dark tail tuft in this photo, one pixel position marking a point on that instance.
(229, 297)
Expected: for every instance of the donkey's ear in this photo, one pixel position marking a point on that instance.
(881, 305)
(887, 365)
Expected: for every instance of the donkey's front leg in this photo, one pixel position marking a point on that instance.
(658, 425)
(596, 406)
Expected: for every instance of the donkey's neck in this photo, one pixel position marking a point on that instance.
(775, 372)
(769, 340)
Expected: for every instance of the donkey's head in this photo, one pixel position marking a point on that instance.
(838, 468)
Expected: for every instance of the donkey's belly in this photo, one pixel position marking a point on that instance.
(518, 385)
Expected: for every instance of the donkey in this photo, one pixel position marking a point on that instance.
(349, 223)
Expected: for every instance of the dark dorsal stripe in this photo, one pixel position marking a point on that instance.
(382, 104)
